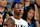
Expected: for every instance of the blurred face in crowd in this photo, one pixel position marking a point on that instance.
(3, 3)
(18, 9)
(5, 24)
(30, 14)
(37, 2)
(9, 23)
(9, 9)
(27, 3)
(1, 20)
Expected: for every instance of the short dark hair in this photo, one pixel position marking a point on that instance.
(13, 5)
(9, 19)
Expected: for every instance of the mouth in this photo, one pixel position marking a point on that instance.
(30, 16)
(20, 12)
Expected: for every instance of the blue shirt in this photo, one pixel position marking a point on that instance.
(25, 7)
(32, 24)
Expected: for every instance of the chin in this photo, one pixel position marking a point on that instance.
(19, 14)
(0, 23)
(4, 5)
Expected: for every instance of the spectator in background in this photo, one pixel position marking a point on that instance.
(1, 20)
(30, 17)
(27, 3)
(32, 1)
(2, 6)
(8, 7)
(9, 22)
(37, 2)
(34, 4)
(3, 10)
(9, 4)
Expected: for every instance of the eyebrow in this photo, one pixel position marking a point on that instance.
(6, 24)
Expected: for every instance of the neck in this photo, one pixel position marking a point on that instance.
(17, 17)
(29, 21)
(1, 9)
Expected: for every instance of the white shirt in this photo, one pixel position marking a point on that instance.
(20, 22)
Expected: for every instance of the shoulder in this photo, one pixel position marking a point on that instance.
(24, 22)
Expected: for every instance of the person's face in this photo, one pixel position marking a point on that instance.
(5, 25)
(18, 9)
(37, 2)
(9, 9)
(3, 3)
(30, 14)
(8, 25)
(27, 3)
(1, 20)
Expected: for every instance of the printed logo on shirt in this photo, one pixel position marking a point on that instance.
(19, 25)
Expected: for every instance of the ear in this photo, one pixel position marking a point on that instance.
(12, 8)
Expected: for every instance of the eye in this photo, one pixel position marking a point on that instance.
(30, 12)
(5, 24)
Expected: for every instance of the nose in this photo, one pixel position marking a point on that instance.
(31, 14)
(20, 9)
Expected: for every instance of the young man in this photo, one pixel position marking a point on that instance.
(18, 11)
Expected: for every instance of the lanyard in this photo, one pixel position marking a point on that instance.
(3, 13)
(25, 7)
(28, 24)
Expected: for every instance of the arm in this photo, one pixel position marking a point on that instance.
(37, 24)
(36, 16)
